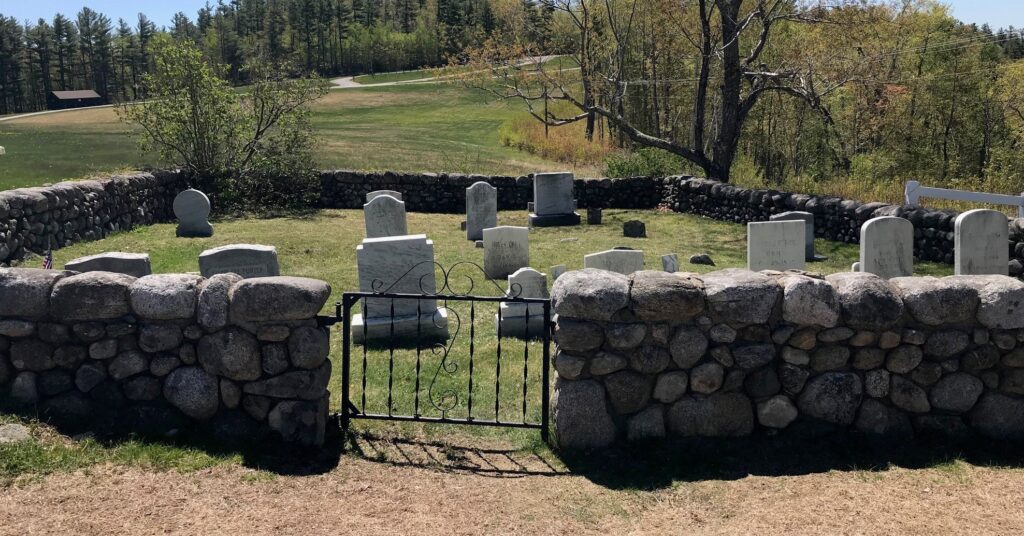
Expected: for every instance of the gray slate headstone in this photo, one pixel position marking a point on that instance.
(192, 208)
(670, 263)
(557, 271)
(246, 260)
(133, 264)
(481, 209)
(384, 216)
(634, 229)
(553, 200)
(594, 215)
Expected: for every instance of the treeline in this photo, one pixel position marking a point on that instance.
(329, 37)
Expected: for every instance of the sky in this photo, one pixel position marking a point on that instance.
(997, 13)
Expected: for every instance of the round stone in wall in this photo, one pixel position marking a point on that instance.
(192, 208)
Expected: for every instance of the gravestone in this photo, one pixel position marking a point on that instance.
(398, 265)
(670, 263)
(634, 229)
(192, 208)
(481, 209)
(384, 216)
(808, 220)
(594, 215)
(981, 242)
(506, 249)
(519, 319)
(887, 247)
(553, 203)
(246, 260)
(557, 271)
(529, 206)
(133, 264)
(2, 150)
(373, 195)
(623, 261)
(775, 246)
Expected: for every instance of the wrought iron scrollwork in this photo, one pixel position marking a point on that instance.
(447, 281)
(446, 400)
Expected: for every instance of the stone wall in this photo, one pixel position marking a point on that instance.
(33, 219)
(165, 354)
(733, 353)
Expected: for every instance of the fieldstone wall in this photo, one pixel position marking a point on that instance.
(734, 352)
(33, 219)
(168, 353)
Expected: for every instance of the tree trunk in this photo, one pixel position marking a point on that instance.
(723, 151)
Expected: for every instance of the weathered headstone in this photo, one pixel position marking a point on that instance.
(384, 216)
(2, 150)
(634, 229)
(594, 215)
(981, 242)
(192, 208)
(133, 264)
(553, 201)
(481, 209)
(623, 261)
(887, 247)
(373, 195)
(519, 319)
(808, 220)
(529, 206)
(398, 265)
(246, 260)
(775, 246)
(557, 271)
(670, 263)
(506, 249)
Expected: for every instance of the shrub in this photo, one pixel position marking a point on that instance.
(644, 162)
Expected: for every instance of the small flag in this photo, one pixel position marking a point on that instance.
(48, 260)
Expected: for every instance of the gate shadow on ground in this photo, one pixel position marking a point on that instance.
(660, 464)
(442, 456)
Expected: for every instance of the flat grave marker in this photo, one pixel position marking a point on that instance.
(246, 260)
(622, 261)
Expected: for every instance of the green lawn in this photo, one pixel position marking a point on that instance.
(401, 76)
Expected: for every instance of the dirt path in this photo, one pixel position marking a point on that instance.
(419, 490)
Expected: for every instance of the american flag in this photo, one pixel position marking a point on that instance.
(48, 260)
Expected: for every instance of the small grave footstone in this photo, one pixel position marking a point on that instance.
(530, 206)
(553, 204)
(384, 216)
(192, 208)
(594, 215)
(775, 246)
(522, 320)
(133, 264)
(373, 195)
(398, 265)
(557, 271)
(463, 225)
(702, 259)
(981, 239)
(622, 261)
(246, 260)
(506, 249)
(670, 263)
(634, 229)
(855, 267)
(481, 209)
(479, 244)
(887, 247)
(808, 220)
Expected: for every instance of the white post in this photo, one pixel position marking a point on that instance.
(1020, 209)
(910, 194)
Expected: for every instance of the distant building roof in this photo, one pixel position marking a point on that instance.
(75, 95)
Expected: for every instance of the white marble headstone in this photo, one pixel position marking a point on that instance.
(384, 216)
(481, 209)
(192, 208)
(506, 249)
(887, 247)
(133, 264)
(775, 246)
(670, 263)
(552, 194)
(526, 283)
(246, 260)
(623, 261)
(808, 220)
(981, 242)
(373, 195)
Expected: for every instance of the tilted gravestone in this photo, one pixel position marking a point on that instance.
(373, 195)
(887, 247)
(553, 201)
(808, 220)
(506, 249)
(133, 264)
(775, 246)
(981, 242)
(670, 263)
(246, 260)
(622, 261)
(634, 229)
(519, 319)
(398, 265)
(557, 271)
(192, 208)
(481, 209)
(384, 216)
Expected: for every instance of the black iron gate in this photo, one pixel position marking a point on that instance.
(407, 356)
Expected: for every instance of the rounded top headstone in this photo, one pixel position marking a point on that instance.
(191, 204)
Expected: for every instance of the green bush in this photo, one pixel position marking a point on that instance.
(645, 162)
